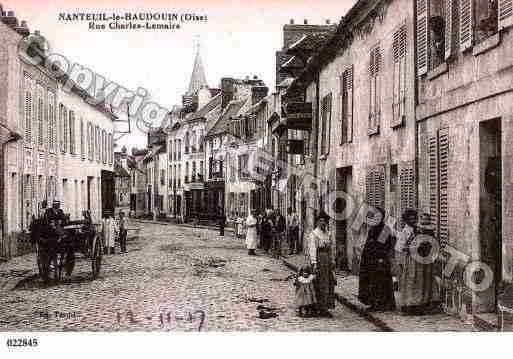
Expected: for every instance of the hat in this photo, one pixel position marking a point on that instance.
(375, 216)
(425, 222)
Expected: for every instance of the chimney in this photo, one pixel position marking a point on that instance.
(1, 10)
(23, 29)
(292, 21)
(255, 77)
(306, 22)
(10, 19)
(328, 21)
(226, 91)
(258, 93)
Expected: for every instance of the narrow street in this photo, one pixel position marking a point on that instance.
(170, 276)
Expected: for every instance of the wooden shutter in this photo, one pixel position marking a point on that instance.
(369, 187)
(399, 81)
(505, 13)
(422, 37)
(349, 86)
(443, 153)
(379, 186)
(451, 28)
(433, 180)
(407, 185)
(28, 112)
(466, 24)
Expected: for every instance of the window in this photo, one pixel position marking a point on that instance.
(186, 172)
(110, 148)
(179, 175)
(375, 186)
(187, 142)
(243, 166)
(40, 116)
(97, 143)
(325, 124)
(65, 131)
(104, 143)
(438, 150)
(72, 132)
(200, 141)
(28, 109)
(90, 141)
(162, 177)
(52, 140)
(179, 150)
(82, 144)
(346, 85)
(193, 176)
(375, 91)
(400, 77)
(201, 173)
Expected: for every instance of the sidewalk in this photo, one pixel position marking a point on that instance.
(347, 294)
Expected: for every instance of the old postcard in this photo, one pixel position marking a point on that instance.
(270, 166)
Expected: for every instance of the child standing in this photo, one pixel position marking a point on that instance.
(305, 292)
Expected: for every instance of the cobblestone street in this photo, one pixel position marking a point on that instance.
(168, 278)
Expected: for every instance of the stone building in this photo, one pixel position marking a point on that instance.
(66, 151)
(122, 179)
(361, 88)
(155, 163)
(464, 117)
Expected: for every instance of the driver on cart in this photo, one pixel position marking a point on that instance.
(55, 219)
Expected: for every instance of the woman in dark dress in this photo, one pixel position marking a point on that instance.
(376, 287)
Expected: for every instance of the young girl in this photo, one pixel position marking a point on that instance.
(305, 292)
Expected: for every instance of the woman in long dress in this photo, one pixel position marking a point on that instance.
(251, 234)
(376, 287)
(321, 253)
(416, 278)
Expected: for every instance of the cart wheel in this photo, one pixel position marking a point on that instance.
(96, 256)
(43, 262)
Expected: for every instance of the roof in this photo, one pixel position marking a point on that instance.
(231, 110)
(210, 106)
(198, 78)
(310, 42)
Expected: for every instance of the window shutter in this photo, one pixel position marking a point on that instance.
(422, 37)
(451, 29)
(443, 148)
(433, 181)
(407, 185)
(82, 144)
(399, 81)
(28, 113)
(65, 129)
(347, 105)
(379, 186)
(466, 24)
(369, 187)
(505, 13)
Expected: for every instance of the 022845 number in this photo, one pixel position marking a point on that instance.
(22, 342)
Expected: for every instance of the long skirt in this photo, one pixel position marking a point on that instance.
(324, 281)
(376, 287)
(305, 295)
(415, 283)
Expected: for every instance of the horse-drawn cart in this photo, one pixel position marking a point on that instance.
(56, 250)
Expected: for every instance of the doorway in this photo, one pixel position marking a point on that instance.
(343, 184)
(490, 208)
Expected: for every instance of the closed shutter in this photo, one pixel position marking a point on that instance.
(505, 13)
(422, 37)
(399, 81)
(349, 86)
(451, 28)
(443, 150)
(379, 186)
(407, 185)
(433, 180)
(65, 129)
(369, 187)
(466, 24)
(28, 113)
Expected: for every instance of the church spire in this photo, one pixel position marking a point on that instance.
(198, 78)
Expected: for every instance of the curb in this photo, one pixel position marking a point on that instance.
(226, 229)
(359, 309)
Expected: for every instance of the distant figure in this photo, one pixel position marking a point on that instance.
(221, 220)
(267, 228)
(280, 227)
(251, 235)
(122, 232)
(109, 233)
(292, 231)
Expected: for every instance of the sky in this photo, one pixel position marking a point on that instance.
(239, 39)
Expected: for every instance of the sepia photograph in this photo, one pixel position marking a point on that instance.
(268, 166)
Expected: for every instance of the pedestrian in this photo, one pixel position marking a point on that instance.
(292, 231)
(251, 235)
(122, 232)
(221, 219)
(305, 292)
(280, 226)
(109, 233)
(240, 226)
(267, 225)
(376, 287)
(321, 253)
(416, 275)
(259, 230)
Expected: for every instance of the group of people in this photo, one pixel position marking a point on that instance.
(402, 252)
(112, 229)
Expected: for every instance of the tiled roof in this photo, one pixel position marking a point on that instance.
(310, 42)
(210, 106)
(231, 110)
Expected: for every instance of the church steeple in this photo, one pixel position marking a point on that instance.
(198, 78)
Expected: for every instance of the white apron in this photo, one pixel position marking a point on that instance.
(251, 234)
(109, 231)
